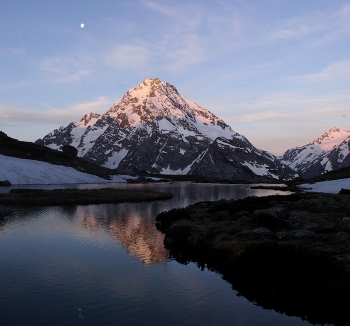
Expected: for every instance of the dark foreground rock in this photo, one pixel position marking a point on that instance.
(38, 197)
(70, 151)
(344, 191)
(287, 253)
(5, 183)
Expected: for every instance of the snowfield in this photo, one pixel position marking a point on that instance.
(22, 171)
(331, 187)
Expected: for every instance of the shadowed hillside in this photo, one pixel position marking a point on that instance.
(28, 150)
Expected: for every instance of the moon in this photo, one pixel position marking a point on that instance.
(82, 25)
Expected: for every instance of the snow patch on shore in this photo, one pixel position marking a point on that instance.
(330, 187)
(25, 171)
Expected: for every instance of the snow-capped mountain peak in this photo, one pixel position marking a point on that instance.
(331, 138)
(156, 129)
(160, 103)
(146, 88)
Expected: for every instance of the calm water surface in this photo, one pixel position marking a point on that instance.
(106, 265)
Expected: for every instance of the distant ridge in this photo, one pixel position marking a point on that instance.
(329, 152)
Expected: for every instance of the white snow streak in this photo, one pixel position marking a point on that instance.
(168, 170)
(115, 159)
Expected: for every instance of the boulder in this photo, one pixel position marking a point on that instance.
(344, 225)
(244, 220)
(298, 218)
(295, 234)
(5, 183)
(261, 231)
(195, 216)
(344, 191)
(275, 212)
(311, 226)
(240, 214)
(264, 217)
(257, 232)
(342, 236)
(282, 235)
(70, 151)
(243, 233)
(203, 205)
(343, 257)
(298, 234)
(221, 216)
(272, 218)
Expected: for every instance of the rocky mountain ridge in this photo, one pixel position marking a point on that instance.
(156, 129)
(329, 152)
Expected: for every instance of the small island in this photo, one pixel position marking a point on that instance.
(39, 197)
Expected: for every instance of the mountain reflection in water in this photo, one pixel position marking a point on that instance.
(126, 224)
(133, 224)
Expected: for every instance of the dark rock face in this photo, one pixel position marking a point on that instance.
(329, 152)
(237, 159)
(157, 130)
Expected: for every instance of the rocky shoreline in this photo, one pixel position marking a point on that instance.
(288, 253)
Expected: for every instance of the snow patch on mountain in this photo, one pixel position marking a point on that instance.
(170, 171)
(114, 160)
(262, 170)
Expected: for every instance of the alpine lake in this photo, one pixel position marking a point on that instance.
(106, 265)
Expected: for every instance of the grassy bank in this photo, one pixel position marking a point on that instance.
(288, 253)
(38, 197)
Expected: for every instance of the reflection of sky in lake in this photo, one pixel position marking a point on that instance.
(109, 262)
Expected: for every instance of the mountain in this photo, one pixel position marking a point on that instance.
(329, 152)
(155, 129)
